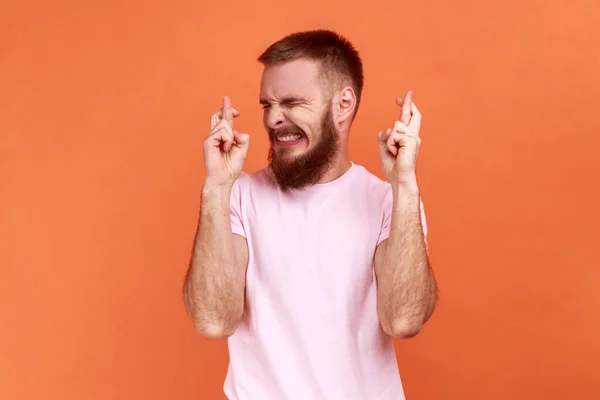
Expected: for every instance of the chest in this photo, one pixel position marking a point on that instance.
(318, 239)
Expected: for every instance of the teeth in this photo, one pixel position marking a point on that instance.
(288, 138)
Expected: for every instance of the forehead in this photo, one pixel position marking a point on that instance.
(297, 78)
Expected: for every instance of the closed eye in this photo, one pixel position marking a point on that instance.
(285, 102)
(290, 103)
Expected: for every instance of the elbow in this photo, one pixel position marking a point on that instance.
(209, 327)
(404, 328)
(215, 326)
(215, 331)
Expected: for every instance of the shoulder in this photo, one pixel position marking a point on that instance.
(257, 179)
(377, 189)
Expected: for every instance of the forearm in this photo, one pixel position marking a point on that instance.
(406, 288)
(214, 286)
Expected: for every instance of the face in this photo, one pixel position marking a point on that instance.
(299, 121)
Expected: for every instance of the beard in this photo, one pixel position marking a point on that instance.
(307, 169)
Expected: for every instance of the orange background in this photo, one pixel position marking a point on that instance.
(103, 108)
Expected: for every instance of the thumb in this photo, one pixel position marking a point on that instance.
(383, 136)
(242, 140)
(384, 147)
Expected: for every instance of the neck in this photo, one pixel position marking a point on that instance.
(339, 167)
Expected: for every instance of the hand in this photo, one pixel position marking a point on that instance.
(224, 149)
(399, 145)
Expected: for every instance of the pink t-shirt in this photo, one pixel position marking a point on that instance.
(310, 329)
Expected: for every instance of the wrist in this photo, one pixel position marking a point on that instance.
(217, 191)
(406, 184)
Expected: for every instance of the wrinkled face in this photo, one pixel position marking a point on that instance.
(298, 118)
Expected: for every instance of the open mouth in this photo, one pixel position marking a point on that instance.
(288, 137)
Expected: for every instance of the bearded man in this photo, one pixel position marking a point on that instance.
(311, 265)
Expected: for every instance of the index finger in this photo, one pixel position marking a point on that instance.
(405, 113)
(415, 120)
(218, 116)
(227, 110)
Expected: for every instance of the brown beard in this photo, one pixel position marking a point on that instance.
(305, 170)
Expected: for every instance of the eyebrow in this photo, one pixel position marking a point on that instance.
(285, 100)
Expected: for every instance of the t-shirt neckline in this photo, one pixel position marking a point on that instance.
(336, 182)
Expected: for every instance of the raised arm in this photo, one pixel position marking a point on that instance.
(215, 282)
(406, 288)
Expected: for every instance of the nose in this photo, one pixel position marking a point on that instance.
(274, 117)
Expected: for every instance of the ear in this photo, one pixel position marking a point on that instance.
(345, 104)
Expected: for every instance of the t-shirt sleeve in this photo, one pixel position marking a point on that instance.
(387, 218)
(235, 209)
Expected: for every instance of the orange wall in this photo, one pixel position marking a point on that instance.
(103, 108)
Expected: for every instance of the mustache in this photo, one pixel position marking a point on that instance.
(273, 133)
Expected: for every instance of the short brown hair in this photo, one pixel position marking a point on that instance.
(339, 59)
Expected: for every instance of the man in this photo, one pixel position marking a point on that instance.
(311, 265)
